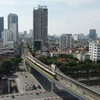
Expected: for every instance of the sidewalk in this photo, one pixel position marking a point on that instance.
(19, 85)
(18, 82)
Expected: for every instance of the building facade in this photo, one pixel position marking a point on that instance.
(92, 34)
(81, 36)
(7, 37)
(66, 41)
(94, 50)
(14, 30)
(75, 37)
(31, 33)
(13, 20)
(1, 26)
(40, 27)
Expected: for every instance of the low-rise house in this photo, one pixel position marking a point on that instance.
(58, 53)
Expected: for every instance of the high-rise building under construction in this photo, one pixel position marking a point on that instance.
(40, 27)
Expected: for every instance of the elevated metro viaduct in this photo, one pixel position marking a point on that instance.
(48, 81)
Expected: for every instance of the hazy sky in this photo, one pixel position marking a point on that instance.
(65, 16)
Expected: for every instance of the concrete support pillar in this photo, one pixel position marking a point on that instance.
(53, 87)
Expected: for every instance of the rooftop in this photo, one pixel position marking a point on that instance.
(40, 7)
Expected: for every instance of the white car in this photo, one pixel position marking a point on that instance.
(31, 87)
(28, 87)
(36, 86)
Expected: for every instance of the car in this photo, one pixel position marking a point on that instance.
(25, 86)
(37, 93)
(31, 87)
(39, 87)
(36, 86)
(28, 87)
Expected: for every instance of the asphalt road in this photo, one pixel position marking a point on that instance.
(30, 78)
(42, 96)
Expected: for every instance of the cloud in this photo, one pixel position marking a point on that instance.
(6, 2)
(62, 19)
(96, 20)
(69, 2)
(78, 22)
(76, 2)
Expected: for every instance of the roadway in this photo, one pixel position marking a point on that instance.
(33, 96)
(30, 80)
(24, 77)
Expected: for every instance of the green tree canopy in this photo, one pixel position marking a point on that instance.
(33, 53)
(6, 65)
(87, 61)
(18, 56)
(71, 63)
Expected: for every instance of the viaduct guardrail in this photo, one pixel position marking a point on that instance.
(79, 87)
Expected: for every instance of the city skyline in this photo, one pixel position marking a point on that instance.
(65, 16)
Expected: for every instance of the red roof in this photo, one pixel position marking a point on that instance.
(60, 52)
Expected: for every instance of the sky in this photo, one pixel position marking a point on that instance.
(64, 16)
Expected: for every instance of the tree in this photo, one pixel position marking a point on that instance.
(87, 61)
(33, 53)
(98, 66)
(45, 60)
(87, 67)
(75, 59)
(58, 64)
(18, 56)
(16, 61)
(6, 65)
(94, 67)
(71, 63)
(1, 69)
